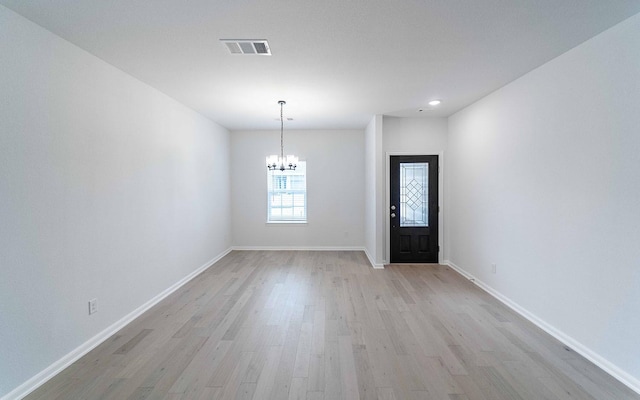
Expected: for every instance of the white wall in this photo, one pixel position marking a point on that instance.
(416, 136)
(374, 192)
(108, 189)
(544, 181)
(335, 189)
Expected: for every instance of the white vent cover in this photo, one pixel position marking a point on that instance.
(247, 46)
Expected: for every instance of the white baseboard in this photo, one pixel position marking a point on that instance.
(55, 368)
(372, 261)
(299, 248)
(618, 373)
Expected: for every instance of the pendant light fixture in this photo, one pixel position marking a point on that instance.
(274, 162)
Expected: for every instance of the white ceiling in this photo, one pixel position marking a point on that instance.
(335, 62)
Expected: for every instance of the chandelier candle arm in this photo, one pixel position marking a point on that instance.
(274, 162)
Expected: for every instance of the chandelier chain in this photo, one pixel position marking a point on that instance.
(281, 130)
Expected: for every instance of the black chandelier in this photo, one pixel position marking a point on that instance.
(274, 162)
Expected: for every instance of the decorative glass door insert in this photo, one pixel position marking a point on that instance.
(414, 194)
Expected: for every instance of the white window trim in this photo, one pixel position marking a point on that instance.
(281, 222)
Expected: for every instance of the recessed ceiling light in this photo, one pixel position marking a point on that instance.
(434, 102)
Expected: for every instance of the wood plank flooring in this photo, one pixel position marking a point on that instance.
(325, 325)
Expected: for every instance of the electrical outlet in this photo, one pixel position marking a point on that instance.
(493, 268)
(93, 306)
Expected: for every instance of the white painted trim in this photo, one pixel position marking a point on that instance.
(459, 270)
(57, 367)
(372, 261)
(441, 166)
(299, 248)
(618, 373)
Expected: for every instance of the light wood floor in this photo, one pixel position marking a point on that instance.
(325, 325)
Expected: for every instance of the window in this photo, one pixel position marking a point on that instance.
(414, 194)
(287, 195)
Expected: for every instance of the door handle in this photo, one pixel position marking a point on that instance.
(393, 208)
(393, 215)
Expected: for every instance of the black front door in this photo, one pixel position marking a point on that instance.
(414, 209)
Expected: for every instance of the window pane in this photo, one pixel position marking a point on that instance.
(287, 194)
(414, 186)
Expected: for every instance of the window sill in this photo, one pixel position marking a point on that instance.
(286, 222)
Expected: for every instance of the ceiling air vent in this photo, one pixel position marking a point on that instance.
(247, 46)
